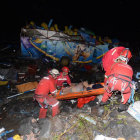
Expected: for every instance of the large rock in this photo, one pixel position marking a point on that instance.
(97, 111)
(27, 126)
(118, 128)
(58, 125)
(114, 129)
(74, 137)
(45, 128)
(129, 131)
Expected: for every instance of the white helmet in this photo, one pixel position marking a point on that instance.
(54, 71)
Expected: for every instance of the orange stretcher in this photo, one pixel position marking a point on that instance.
(80, 94)
(30, 86)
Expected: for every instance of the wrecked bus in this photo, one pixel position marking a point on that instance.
(57, 45)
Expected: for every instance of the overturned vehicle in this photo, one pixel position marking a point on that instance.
(36, 43)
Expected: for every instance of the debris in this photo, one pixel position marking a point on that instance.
(138, 75)
(1, 77)
(5, 133)
(24, 88)
(91, 118)
(57, 45)
(101, 137)
(88, 118)
(121, 116)
(68, 129)
(27, 87)
(134, 110)
(19, 94)
(2, 129)
(15, 137)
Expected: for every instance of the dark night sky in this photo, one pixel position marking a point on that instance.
(115, 18)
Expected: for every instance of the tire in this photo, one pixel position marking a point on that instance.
(64, 61)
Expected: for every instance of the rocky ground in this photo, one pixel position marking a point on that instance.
(21, 113)
(71, 124)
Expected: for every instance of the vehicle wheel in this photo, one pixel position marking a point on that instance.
(64, 61)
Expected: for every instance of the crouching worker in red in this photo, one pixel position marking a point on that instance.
(63, 78)
(119, 78)
(46, 86)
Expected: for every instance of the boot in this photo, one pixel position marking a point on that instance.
(104, 103)
(123, 107)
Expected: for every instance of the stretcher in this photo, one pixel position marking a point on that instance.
(80, 94)
(30, 86)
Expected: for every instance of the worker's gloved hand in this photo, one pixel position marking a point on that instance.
(59, 87)
(54, 93)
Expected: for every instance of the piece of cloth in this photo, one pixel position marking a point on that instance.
(119, 79)
(46, 86)
(96, 86)
(85, 100)
(61, 79)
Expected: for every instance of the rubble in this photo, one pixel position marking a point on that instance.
(19, 112)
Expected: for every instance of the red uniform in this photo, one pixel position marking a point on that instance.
(119, 79)
(46, 86)
(109, 58)
(61, 79)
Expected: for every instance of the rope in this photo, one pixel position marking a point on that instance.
(131, 99)
(68, 130)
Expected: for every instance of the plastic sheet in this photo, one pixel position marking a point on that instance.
(134, 110)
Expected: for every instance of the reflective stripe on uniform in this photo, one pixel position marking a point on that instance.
(55, 104)
(46, 78)
(62, 79)
(113, 52)
(54, 91)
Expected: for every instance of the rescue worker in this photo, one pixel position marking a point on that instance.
(119, 78)
(47, 85)
(109, 58)
(63, 78)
